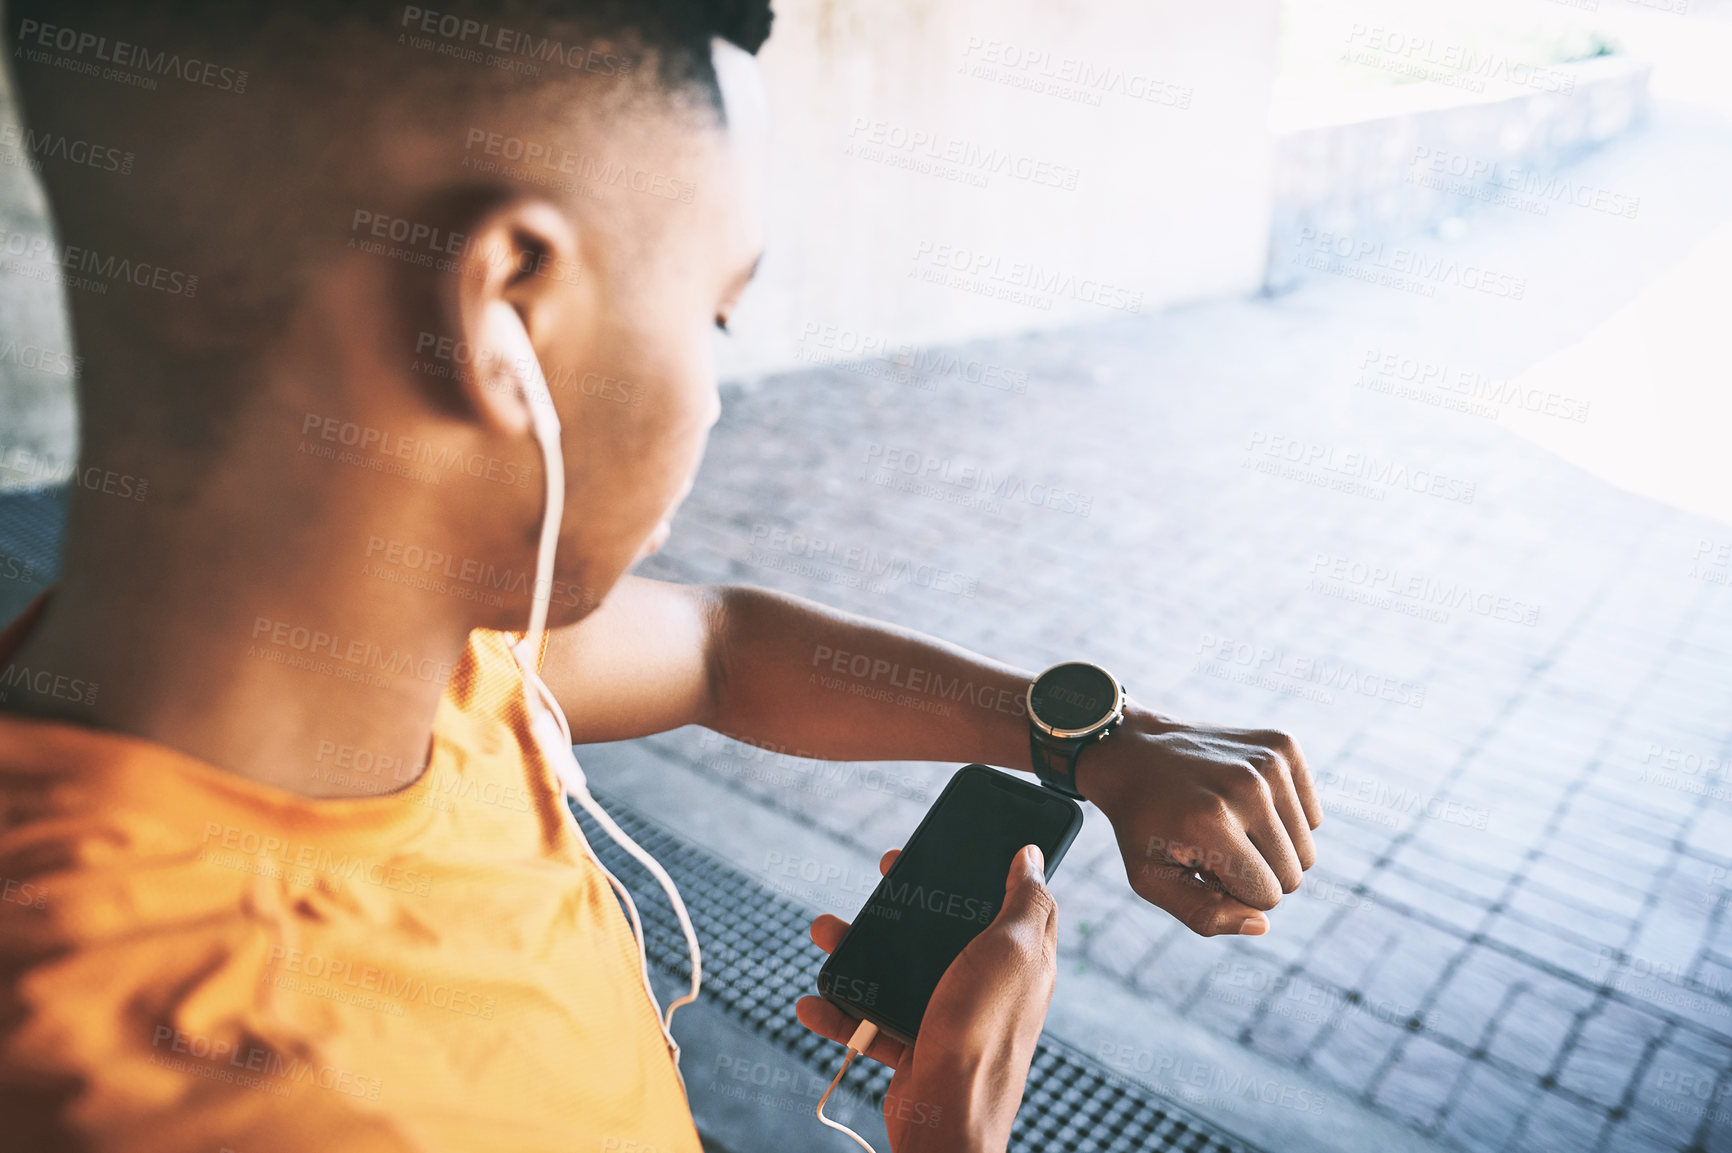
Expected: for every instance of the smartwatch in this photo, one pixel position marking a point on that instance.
(1070, 706)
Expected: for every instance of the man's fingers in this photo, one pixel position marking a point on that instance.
(827, 933)
(1245, 871)
(1269, 835)
(1303, 785)
(1296, 823)
(827, 1020)
(1202, 905)
(888, 859)
(1284, 793)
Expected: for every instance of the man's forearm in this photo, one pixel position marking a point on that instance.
(809, 680)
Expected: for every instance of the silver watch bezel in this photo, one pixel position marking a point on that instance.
(1113, 716)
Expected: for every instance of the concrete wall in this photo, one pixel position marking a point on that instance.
(1411, 157)
(942, 169)
(945, 169)
(38, 425)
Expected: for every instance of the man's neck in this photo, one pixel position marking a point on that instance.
(269, 646)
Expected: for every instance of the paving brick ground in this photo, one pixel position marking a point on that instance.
(1517, 936)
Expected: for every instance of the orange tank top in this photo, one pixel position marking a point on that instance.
(193, 961)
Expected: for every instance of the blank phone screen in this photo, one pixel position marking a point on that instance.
(946, 887)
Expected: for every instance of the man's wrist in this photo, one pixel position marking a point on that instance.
(960, 1107)
(1096, 768)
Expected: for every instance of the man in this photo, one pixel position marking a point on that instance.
(298, 876)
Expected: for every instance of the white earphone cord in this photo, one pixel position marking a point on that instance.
(548, 726)
(857, 1044)
(552, 732)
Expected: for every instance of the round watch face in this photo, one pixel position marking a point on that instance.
(1075, 696)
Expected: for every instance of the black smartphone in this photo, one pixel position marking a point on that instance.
(942, 891)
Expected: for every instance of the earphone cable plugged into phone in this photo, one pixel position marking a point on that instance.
(548, 728)
(857, 1044)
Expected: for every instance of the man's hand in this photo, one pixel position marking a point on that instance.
(957, 1089)
(1214, 824)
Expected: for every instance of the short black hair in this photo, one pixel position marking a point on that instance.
(675, 33)
(175, 370)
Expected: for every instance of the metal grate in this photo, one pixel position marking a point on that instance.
(31, 523)
(758, 961)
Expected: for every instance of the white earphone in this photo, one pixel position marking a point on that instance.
(548, 726)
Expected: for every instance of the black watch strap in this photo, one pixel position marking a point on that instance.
(1055, 762)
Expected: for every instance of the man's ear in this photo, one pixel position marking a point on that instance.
(520, 256)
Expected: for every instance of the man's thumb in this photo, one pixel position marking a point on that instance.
(1025, 892)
